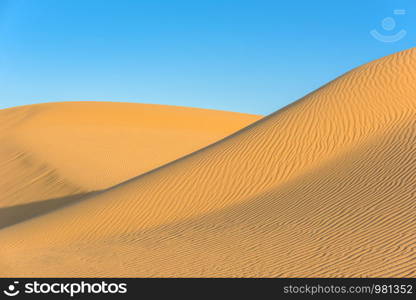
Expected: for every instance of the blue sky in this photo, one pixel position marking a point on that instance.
(248, 56)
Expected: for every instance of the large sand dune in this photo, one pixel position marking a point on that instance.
(323, 187)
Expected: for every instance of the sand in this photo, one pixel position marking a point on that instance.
(57, 149)
(322, 188)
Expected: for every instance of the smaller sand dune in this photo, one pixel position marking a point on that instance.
(53, 154)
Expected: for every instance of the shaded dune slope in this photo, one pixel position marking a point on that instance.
(52, 155)
(91, 146)
(323, 187)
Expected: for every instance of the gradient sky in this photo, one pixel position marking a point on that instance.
(248, 56)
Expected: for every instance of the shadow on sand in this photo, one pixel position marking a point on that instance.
(19, 213)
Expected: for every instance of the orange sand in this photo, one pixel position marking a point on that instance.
(324, 187)
(58, 149)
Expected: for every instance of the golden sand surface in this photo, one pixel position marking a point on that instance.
(325, 187)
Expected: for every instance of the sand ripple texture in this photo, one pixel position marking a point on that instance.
(325, 187)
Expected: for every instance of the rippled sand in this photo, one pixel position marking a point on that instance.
(325, 187)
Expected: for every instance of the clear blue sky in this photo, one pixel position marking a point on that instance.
(248, 56)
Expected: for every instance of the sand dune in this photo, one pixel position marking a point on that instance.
(323, 187)
(59, 149)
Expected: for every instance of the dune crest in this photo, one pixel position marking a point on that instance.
(323, 187)
(59, 149)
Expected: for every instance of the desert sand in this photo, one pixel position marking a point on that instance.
(59, 149)
(325, 187)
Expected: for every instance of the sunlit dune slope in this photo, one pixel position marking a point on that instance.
(54, 150)
(323, 187)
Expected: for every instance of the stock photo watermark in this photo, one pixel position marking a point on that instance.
(389, 25)
(70, 289)
(12, 290)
